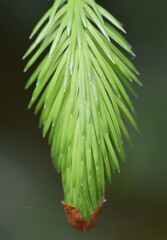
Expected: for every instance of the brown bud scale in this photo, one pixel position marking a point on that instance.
(77, 221)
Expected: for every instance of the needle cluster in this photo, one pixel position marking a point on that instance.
(81, 92)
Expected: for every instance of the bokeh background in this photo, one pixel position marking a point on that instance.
(30, 188)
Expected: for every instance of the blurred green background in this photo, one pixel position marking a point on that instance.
(30, 188)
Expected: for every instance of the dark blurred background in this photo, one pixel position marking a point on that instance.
(30, 188)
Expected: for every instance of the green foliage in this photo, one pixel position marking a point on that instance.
(81, 95)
